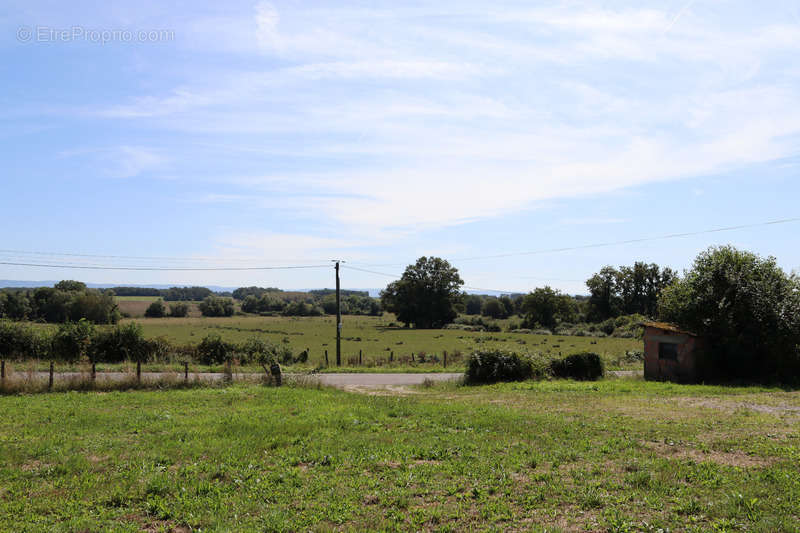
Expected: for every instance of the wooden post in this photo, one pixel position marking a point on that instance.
(138, 371)
(94, 372)
(359, 358)
(326, 357)
(444, 360)
(50, 383)
(391, 356)
(412, 357)
(3, 369)
(186, 371)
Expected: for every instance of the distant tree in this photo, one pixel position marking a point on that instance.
(748, 310)
(426, 293)
(156, 309)
(178, 309)
(547, 307)
(473, 304)
(68, 285)
(494, 308)
(604, 301)
(215, 306)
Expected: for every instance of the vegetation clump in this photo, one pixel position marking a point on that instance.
(582, 366)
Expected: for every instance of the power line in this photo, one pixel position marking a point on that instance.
(606, 244)
(178, 269)
(137, 257)
(631, 241)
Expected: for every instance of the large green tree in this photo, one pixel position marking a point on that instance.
(426, 294)
(547, 307)
(746, 307)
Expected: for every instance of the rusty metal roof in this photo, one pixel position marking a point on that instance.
(666, 326)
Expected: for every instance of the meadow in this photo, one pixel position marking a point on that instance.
(615, 455)
(379, 337)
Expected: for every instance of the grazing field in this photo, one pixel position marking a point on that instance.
(135, 306)
(615, 455)
(377, 340)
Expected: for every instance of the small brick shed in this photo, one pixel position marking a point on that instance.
(670, 353)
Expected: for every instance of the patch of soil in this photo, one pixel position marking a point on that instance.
(735, 458)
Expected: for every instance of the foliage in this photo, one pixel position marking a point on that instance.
(426, 294)
(72, 340)
(581, 366)
(186, 294)
(491, 366)
(178, 309)
(19, 341)
(122, 343)
(213, 350)
(627, 290)
(216, 306)
(546, 307)
(265, 353)
(747, 309)
(156, 309)
(67, 301)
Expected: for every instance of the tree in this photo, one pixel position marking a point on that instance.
(69, 285)
(426, 294)
(494, 308)
(72, 340)
(215, 306)
(473, 304)
(747, 309)
(604, 301)
(156, 309)
(178, 309)
(547, 307)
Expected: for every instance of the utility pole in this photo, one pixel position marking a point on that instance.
(338, 318)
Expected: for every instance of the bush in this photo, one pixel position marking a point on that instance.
(581, 366)
(122, 343)
(212, 350)
(491, 366)
(72, 340)
(156, 309)
(178, 309)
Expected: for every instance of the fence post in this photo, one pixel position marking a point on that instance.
(138, 371)
(391, 356)
(326, 357)
(186, 371)
(94, 371)
(3, 370)
(50, 382)
(444, 361)
(412, 357)
(359, 358)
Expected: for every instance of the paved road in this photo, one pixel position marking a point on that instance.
(336, 380)
(332, 379)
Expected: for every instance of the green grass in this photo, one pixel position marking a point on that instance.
(616, 455)
(376, 340)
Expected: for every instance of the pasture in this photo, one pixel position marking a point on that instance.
(377, 338)
(616, 455)
(135, 306)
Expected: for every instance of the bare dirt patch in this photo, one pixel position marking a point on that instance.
(382, 390)
(735, 458)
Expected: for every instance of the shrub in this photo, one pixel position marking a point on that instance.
(156, 309)
(72, 340)
(213, 350)
(178, 309)
(581, 366)
(491, 366)
(123, 343)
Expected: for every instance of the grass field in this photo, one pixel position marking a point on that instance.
(377, 340)
(135, 306)
(616, 455)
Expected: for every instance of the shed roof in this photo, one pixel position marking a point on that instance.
(666, 326)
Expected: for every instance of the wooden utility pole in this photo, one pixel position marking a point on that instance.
(338, 319)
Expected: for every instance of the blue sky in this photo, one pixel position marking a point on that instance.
(290, 133)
